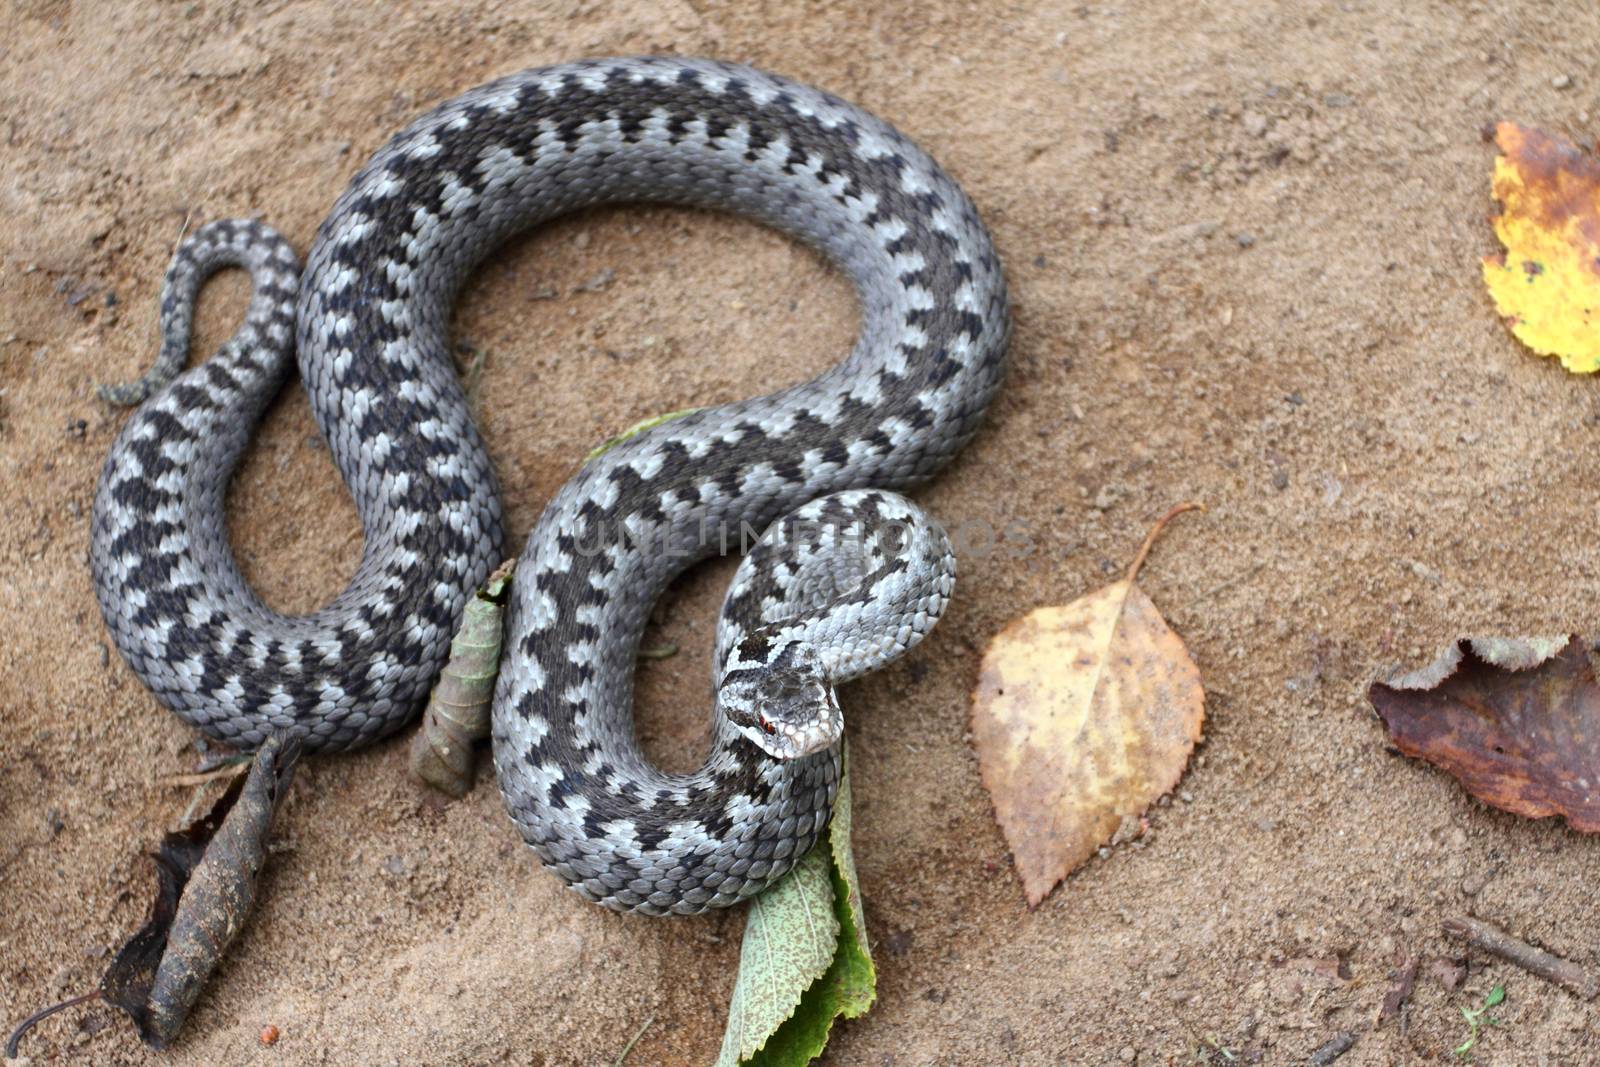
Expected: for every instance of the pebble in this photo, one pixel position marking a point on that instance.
(1127, 1055)
(598, 282)
(1561, 81)
(1244, 239)
(1255, 123)
(1425, 572)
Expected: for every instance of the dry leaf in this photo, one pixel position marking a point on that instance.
(457, 713)
(1082, 717)
(1547, 282)
(1516, 720)
(207, 883)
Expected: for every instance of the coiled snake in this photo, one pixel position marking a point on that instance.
(853, 578)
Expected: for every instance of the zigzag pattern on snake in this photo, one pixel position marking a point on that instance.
(368, 324)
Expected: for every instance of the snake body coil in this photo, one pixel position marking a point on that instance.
(368, 322)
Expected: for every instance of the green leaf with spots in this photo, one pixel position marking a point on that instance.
(805, 960)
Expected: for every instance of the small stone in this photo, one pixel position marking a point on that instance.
(1425, 572)
(1186, 796)
(1244, 239)
(1107, 497)
(1255, 123)
(1280, 480)
(1127, 1054)
(269, 1035)
(1561, 81)
(1337, 100)
(582, 240)
(598, 282)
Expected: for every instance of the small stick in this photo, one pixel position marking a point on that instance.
(233, 768)
(1333, 1048)
(634, 1040)
(1536, 961)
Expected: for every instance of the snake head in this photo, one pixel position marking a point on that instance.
(783, 704)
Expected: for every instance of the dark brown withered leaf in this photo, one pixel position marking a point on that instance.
(1515, 720)
(206, 882)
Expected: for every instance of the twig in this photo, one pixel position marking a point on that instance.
(1333, 1048)
(232, 768)
(1229, 583)
(1536, 961)
(632, 1041)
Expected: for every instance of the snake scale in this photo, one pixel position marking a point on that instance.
(850, 579)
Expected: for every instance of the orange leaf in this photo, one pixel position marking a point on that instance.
(1516, 720)
(1082, 717)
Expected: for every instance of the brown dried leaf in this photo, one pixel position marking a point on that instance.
(1083, 716)
(1404, 980)
(1515, 720)
(206, 875)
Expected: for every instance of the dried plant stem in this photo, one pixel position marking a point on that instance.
(1155, 531)
(1536, 961)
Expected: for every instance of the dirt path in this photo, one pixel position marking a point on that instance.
(1243, 241)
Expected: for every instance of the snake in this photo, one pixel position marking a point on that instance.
(840, 572)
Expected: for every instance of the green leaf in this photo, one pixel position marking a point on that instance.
(1497, 995)
(634, 431)
(790, 939)
(857, 978)
(846, 987)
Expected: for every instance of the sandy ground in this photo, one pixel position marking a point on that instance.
(1243, 241)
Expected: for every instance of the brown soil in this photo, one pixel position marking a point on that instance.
(1243, 240)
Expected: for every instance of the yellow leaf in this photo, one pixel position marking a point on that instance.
(1547, 282)
(1083, 716)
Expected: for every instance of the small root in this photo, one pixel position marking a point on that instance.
(39, 1016)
